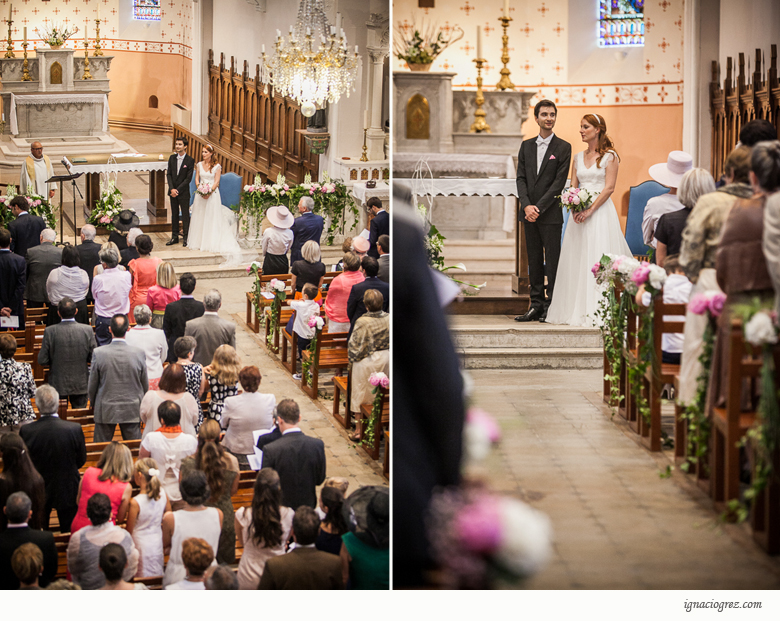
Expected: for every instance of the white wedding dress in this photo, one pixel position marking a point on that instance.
(576, 295)
(213, 226)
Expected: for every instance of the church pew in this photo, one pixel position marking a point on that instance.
(289, 349)
(342, 383)
(380, 424)
(386, 464)
(330, 352)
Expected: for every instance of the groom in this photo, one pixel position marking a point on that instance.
(542, 170)
(180, 169)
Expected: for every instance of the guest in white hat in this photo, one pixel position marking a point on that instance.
(277, 240)
(669, 174)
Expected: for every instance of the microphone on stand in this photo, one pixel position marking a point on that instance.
(66, 163)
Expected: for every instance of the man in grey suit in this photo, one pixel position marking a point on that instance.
(383, 247)
(67, 349)
(41, 260)
(117, 384)
(210, 331)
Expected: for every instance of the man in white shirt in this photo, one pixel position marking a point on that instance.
(111, 291)
(36, 170)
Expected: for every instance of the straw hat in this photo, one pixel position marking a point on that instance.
(671, 173)
(280, 216)
(125, 220)
(360, 245)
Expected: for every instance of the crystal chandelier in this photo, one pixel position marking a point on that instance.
(313, 65)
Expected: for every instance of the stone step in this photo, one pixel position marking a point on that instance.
(215, 271)
(489, 337)
(479, 250)
(532, 358)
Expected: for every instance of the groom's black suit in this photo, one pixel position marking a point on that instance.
(543, 237)
(180, 180)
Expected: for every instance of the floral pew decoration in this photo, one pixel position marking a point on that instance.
(318, 323)
(381, 384)
(37, 206)
(108, 205)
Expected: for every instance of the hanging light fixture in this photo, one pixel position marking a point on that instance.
(313, 65)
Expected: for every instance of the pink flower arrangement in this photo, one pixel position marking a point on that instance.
(478, 525)
(640, 274)
(105, 219)
(379, 379)
(711, 302)
(479, 417)
(595, 269)
(717, 302)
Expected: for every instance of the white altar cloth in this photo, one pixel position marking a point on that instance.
(121, 167)
(362, 193)
(56, 98)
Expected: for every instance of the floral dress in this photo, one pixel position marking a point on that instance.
(194, 372)
(219, 392)
(17, 388)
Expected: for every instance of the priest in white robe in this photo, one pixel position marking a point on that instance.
(36, 170)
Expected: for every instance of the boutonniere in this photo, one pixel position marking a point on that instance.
(552, 157)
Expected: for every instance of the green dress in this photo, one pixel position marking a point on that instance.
(227, 538)
(369, 567)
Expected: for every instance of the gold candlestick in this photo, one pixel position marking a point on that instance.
(25, 72)
(364, 157)
(505, 83)
(98, 51)
(10, 49)
(479, 125)
(87, 75)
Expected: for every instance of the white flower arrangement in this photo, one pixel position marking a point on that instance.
(760, 330)
(277, 285)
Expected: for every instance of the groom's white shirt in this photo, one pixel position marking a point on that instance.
(541, 150)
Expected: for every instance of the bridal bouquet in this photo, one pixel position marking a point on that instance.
(577, 199)
(204, 189)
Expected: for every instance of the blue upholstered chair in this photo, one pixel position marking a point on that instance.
(229, 190)
(637, 200)
(565, 222)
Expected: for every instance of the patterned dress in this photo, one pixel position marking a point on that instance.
(194, 372)
(17, 387)
(219, 392)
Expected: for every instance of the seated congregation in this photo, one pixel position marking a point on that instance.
(174, 503)
(701, 325)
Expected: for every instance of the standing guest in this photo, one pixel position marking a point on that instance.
(246, 413)
(67, 350)
(113, 564)
(197, 384)
(221, 470)
(380, 224)
(194, 519)
(179, 175)
(360, 246)
(173, 387)
(333, 526)
(221, 578)
(669, 175)
(169, 446)
(178, 313)
(383, 246)
(365, 554)
(163, 293)
(222, 376)
(18, 512)
(355, 306)
(25, 229)
(340, 483)
(111, 291)
(19, 475)
(210, 330)
(369, 352)
(151, 341)
(303, 311)
(771, 243)
(263, 529)
(305, 567)
(346, 246)
(277, 240)
(110, 478)
(298, 458)
(122, 223)
(144, 519)
(27, 565)
(13, 277)
(307, 227)
(17, 387)
(36, 171)
(109, 245)
(668, 232)
(85, 545)
(41, 260)
(131, 252)
(143, 271)
(117, 385)
(57, 450)
(197, 556)
(68, 281)
(88, 252)
(338, 294)
(309, 269)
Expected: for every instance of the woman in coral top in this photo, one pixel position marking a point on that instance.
(163, 293)
(143, 271)
(111, 477)
(338, 294)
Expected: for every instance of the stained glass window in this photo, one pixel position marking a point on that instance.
(147, 10)
(621, 23)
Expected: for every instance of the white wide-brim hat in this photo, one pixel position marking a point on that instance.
(671, 172)
(280, 216)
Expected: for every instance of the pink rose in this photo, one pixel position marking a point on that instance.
(478, 526)
(484, 420)
(286, 187)
(717, 301)
(373, 380)
(595, 269)
(698, 304)
(616, 263)
(385, 382)
(640, 274)
(575, 200)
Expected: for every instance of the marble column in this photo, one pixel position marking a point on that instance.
(376, 136)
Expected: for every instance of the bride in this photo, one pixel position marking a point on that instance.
(213, 226)
(591, 233)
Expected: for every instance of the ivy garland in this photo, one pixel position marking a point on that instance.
(370, 424)
(306, 364)
(645, 356)
(612, 314)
